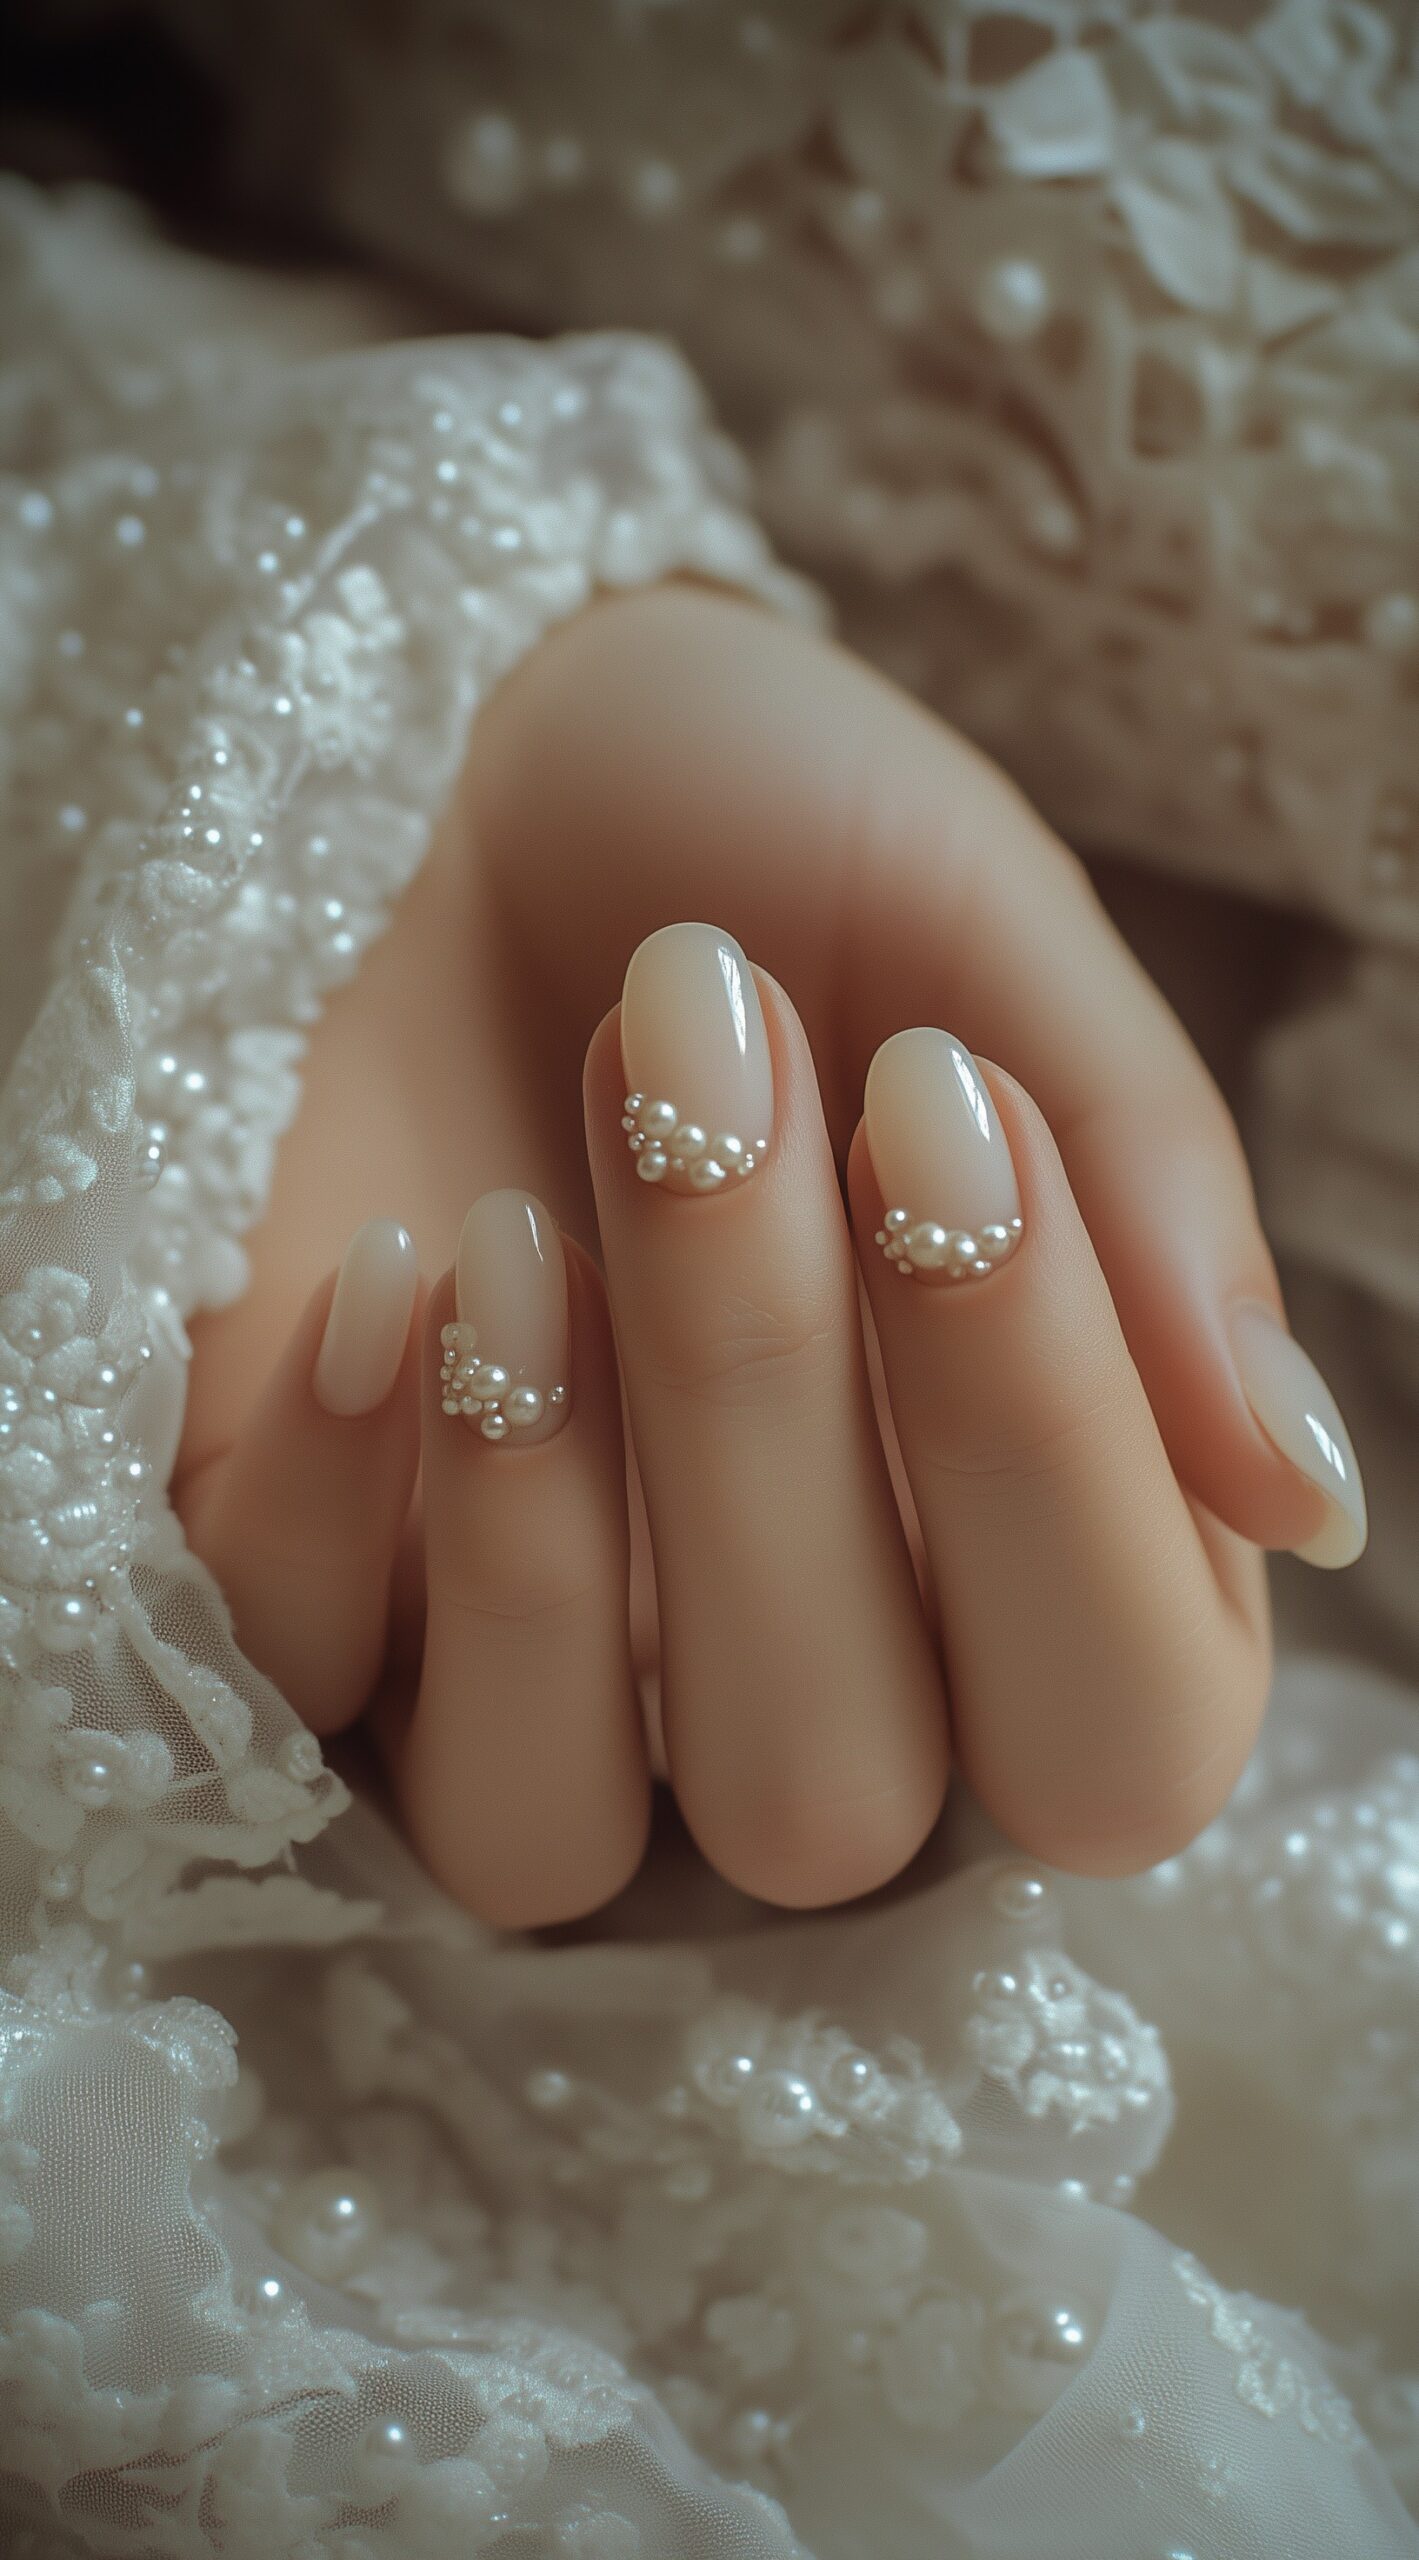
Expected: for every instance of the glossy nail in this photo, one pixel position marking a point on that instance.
(368, 1324)
(941, 1161)
(700, 1090)
(505, 1365)
(1297, 1411)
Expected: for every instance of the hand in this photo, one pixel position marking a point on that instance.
(1097, 1434)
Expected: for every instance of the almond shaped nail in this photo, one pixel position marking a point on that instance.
(952, 1203)
(505, 1359)
(368, 1325)
(1298, 1413)
(699, 1104)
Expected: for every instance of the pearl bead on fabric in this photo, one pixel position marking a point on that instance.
(682, 1155)
(922, 1250)
(329, 2224)
(483, 1391)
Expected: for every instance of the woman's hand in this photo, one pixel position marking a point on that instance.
(1084, 1438)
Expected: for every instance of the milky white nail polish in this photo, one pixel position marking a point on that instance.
(368, 1324)
(505, 1364)
(941, 1161)
(700, 1089)
(1297, 1411)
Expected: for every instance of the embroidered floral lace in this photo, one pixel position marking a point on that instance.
(1074, 351)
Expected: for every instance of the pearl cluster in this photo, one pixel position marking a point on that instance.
(484, 1388)
(922, 1250)
(668, 1148)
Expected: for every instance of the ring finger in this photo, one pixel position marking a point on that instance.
(523, 1774)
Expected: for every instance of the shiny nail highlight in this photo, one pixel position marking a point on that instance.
(1297, 1411)
(698, 1113)
(368, 1324)
(941, 1161)
(505, 1363)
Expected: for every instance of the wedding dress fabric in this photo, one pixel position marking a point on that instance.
(1017, 2216)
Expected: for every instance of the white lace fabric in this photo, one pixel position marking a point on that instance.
(329, 2224)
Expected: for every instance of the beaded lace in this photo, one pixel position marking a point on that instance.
(329, 2224)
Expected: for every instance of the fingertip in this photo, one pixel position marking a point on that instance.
(369, 1318)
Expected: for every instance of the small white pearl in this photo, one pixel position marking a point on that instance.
(896, 1220)
(963, 1251)
(89, 1781)
(727, 1150)
(993, 1241)
(929, 1245)
(495, 1426)
(329, 2223)
(451, 1404)
(388, 2440)
(659, 1119)
(490, 1380)
(1012, 298)
(689, 1141)
(705, 1174)
(64, 1618)
(548, 2090)
(1018, 1894)
(557, 1395)
(635, 1102)
(523, 1406)
(652, 1165)
(778, 2110)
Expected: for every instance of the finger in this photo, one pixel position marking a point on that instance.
(523, 1774)
(804, 1720)
(1107, 1650)
(895, 875)
(300, 1520)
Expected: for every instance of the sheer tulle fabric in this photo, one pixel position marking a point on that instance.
(328, 2223)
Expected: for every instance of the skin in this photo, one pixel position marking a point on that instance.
(1060, 1456)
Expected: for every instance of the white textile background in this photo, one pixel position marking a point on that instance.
(1020, 2216)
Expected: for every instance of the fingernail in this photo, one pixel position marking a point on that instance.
(941, 1160)
(368, 1324)
(700, 1089)
(1297, 1411)
(505, 1360)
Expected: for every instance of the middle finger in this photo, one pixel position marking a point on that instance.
(805, 1724)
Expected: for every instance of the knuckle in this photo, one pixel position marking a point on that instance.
(756, 1350)
(1037, 1441)
(536, 1592)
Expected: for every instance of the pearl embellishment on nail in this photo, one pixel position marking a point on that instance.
(482, 1390)
(669, 1149)
(920, 1249)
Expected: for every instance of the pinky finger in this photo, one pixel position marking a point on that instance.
(301, 1518)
